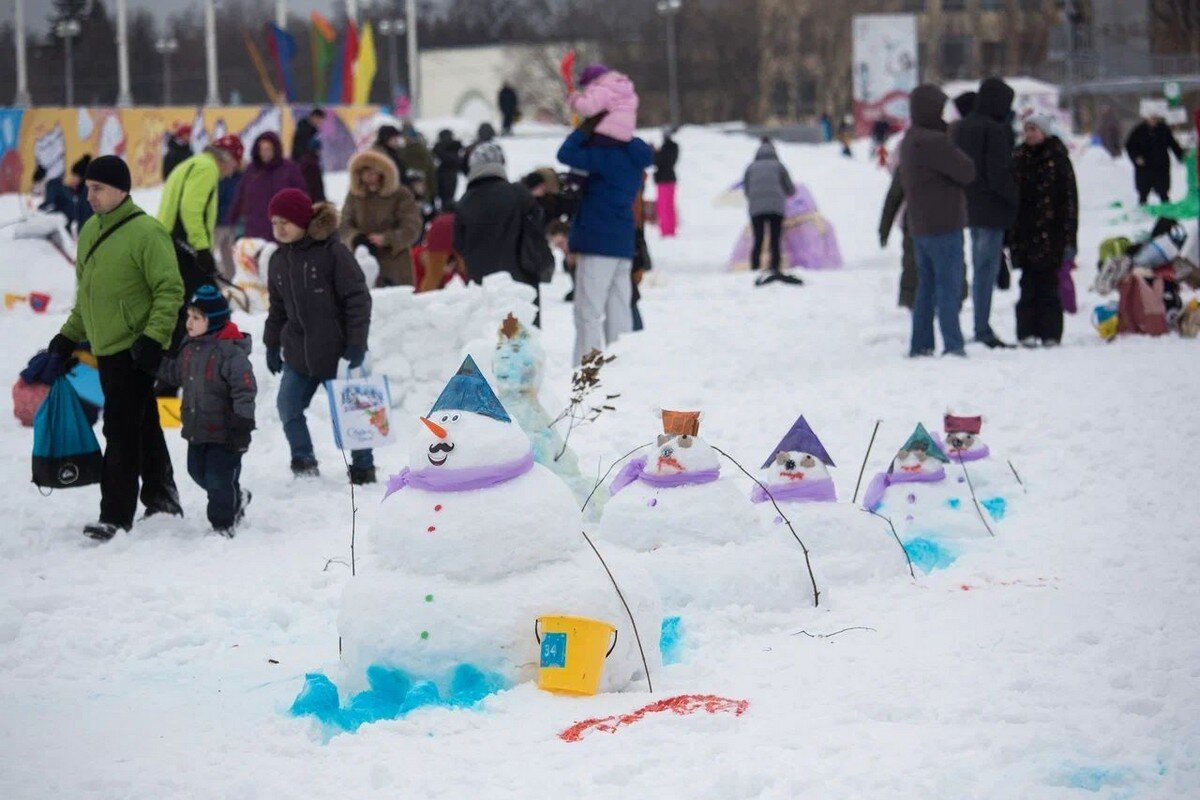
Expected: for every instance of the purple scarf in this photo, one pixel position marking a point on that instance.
(436, 479)
(883, 480)
(635, 470)
(819, 491)
(973, 454)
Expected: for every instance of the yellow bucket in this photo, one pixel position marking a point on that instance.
(573, 650)
(169, 413)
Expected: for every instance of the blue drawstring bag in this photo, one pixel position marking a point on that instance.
(65, 451)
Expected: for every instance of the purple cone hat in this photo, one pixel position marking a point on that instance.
(800, 439)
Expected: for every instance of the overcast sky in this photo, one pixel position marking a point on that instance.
(37, 11)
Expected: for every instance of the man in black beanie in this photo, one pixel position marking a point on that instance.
(128, 294)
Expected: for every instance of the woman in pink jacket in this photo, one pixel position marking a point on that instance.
(603, 89)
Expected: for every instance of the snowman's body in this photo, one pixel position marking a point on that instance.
(990, 476)
(698, 534)
(923, 497)
(847, 547)
(475, 542)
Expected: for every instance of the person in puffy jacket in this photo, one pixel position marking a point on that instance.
(1044, 234)
(767, 186)
(603, 232)
(1149, 146)
(448, 154)
(603, 89)
(934, 175)
(319, 314)
(269, 174)
(213, 368)
(67, 195)
(986, 135)
(381, 215)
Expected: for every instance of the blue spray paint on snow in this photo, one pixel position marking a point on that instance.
(1096, 778)
(393, 694)
(929, 554)
(996, 507)
(954, 502)
(670, 641)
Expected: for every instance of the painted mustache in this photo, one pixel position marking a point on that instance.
(441, 447)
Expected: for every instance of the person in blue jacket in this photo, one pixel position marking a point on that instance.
(603, 232)
(68, 196)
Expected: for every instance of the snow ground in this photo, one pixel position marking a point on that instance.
(1058, 660)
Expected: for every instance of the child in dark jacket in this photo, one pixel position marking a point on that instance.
(213, 369)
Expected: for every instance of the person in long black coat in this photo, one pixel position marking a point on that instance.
(508, 102)
(448, 153)
(1044, 234)
(1148, 146)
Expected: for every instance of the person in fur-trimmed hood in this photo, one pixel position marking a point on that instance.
(381, 214)
(319, 314)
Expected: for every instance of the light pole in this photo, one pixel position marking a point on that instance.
(22, 98)
(166, 47)
(213, 96)
(392, 28)
(124, 95)
(67, 29)
(414, 62)
(670, 9)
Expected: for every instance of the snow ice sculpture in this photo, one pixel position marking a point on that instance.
(796, 471)
(473, 542)
(992, 480)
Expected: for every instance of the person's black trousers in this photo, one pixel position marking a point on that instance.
(759, 223)
(217, 470)
(1146, 182)
(1039, 310)
(134, 446)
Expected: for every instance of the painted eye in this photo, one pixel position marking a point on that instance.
(668, 451)
(445, 417)
(808, 462)
(454, 418)
(789, 465)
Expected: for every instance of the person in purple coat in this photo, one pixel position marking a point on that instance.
(269, 174)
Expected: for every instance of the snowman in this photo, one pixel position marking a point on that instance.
(699, 537)
(847, 547)
(992, 480)
(473, 542)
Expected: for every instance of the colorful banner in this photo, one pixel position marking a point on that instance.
(885, 69)
(54, 137)
(282, 47)
(348, 62)
(364, 67)
(324, 54)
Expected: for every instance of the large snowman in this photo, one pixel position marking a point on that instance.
(473, 542)
(847, 546)
(699, 535)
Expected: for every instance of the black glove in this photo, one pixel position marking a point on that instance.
(238, 439)
(205, 263)
(147, 354)
(355, 355)
(274, 361)
(61, 347)
(588, 126)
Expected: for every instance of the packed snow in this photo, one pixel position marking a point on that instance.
(1059, 658)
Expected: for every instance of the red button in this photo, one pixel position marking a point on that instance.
(438, 507)
(431, 529)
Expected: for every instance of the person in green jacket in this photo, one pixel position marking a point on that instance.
(128, 296)
(188, 210)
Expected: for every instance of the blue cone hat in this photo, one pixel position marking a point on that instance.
(800, 439)
(921, 440)
(468, 390)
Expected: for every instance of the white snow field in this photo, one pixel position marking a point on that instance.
(1060, 659)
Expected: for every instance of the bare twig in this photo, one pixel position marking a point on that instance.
(636, 636)
(584, 382)
(1018, 477)
(974, 499)
(611, 467)
(835, 633)
(341, 561)
(353, 516)
(807, 560)
(895, 536)
(863, 468)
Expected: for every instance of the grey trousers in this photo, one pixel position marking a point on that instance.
(603, 302)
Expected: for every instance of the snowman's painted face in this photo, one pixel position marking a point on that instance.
(961, 441)
(913, 461)
(678, 454)
(794, 466)
(460, 439)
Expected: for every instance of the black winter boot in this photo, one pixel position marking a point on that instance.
(305, 468)
(362, 476)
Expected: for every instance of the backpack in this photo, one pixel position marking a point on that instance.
(1112, 247)
(65, 450)
(1141, 308)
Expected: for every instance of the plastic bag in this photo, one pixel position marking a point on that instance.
(360, 408)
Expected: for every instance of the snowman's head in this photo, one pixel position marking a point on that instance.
(457, 439)
(517, 362)
(962, 433)
(793, 466)
(681, 453)
(960, 441)
(914, 460)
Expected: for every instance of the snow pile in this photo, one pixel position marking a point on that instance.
(418, 339)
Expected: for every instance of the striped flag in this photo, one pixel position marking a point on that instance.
(324, 54)
(282, 47)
